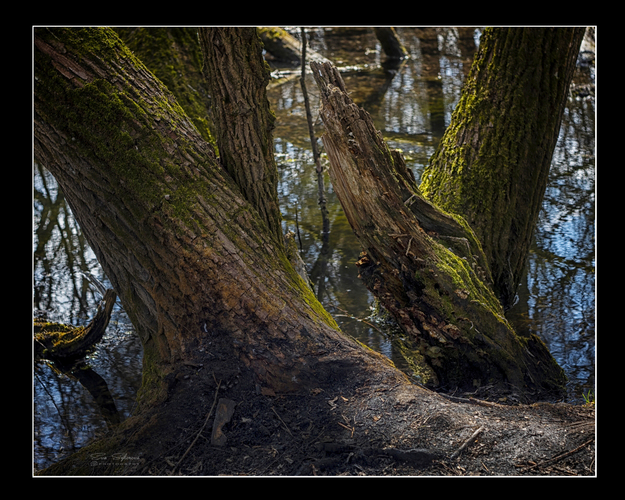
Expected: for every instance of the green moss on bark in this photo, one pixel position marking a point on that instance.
(492, 164)
(174, 56)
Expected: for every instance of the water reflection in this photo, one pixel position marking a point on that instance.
(411, 105)
(74, 404)
(558, 297)
(60, 254)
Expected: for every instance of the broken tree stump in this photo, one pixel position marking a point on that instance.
(426, 267)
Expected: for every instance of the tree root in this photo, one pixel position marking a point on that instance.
(59, 342)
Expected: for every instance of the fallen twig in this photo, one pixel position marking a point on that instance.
(351, 316)
(466, 443)
(557, 458)
(200, 431)
(279, 418)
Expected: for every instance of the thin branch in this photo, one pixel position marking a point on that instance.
(466, 443)
(313, 140)
(199, 432)
(557, 458)
(280, 418)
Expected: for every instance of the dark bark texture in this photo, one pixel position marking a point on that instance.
(174, 56)
(242, 116)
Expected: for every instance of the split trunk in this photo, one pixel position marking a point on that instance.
(198, 270)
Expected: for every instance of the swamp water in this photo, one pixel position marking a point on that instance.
(411, 105)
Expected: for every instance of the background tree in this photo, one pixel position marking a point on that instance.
(492, 163)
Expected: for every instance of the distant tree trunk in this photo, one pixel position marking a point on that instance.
(321, 191)
(425, 266)
(283, 49)
(492, 164)
(391, 44)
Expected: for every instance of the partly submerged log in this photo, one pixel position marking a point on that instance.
(60, 342)
(283, 48)
(390, 42)
(426, 267)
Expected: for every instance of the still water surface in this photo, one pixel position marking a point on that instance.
(411, 105)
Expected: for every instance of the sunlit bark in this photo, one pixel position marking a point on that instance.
(238, 77)
(185, 251)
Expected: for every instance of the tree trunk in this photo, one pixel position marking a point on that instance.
(243, 119)
(493, 162)
(425, 266)
(391, 44)
(283, 49)
(174, 56)
(200, 279)
(170, 228)
(220, 311)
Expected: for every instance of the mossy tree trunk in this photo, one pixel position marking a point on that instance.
(426, 267)
(65, 343)
(199, 277)
(493, 161)
(174, 56)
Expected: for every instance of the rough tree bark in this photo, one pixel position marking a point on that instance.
(425, 266)
(242, 116)
(186, 251)
(174, 56)
(493, 162)
(218, 308)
